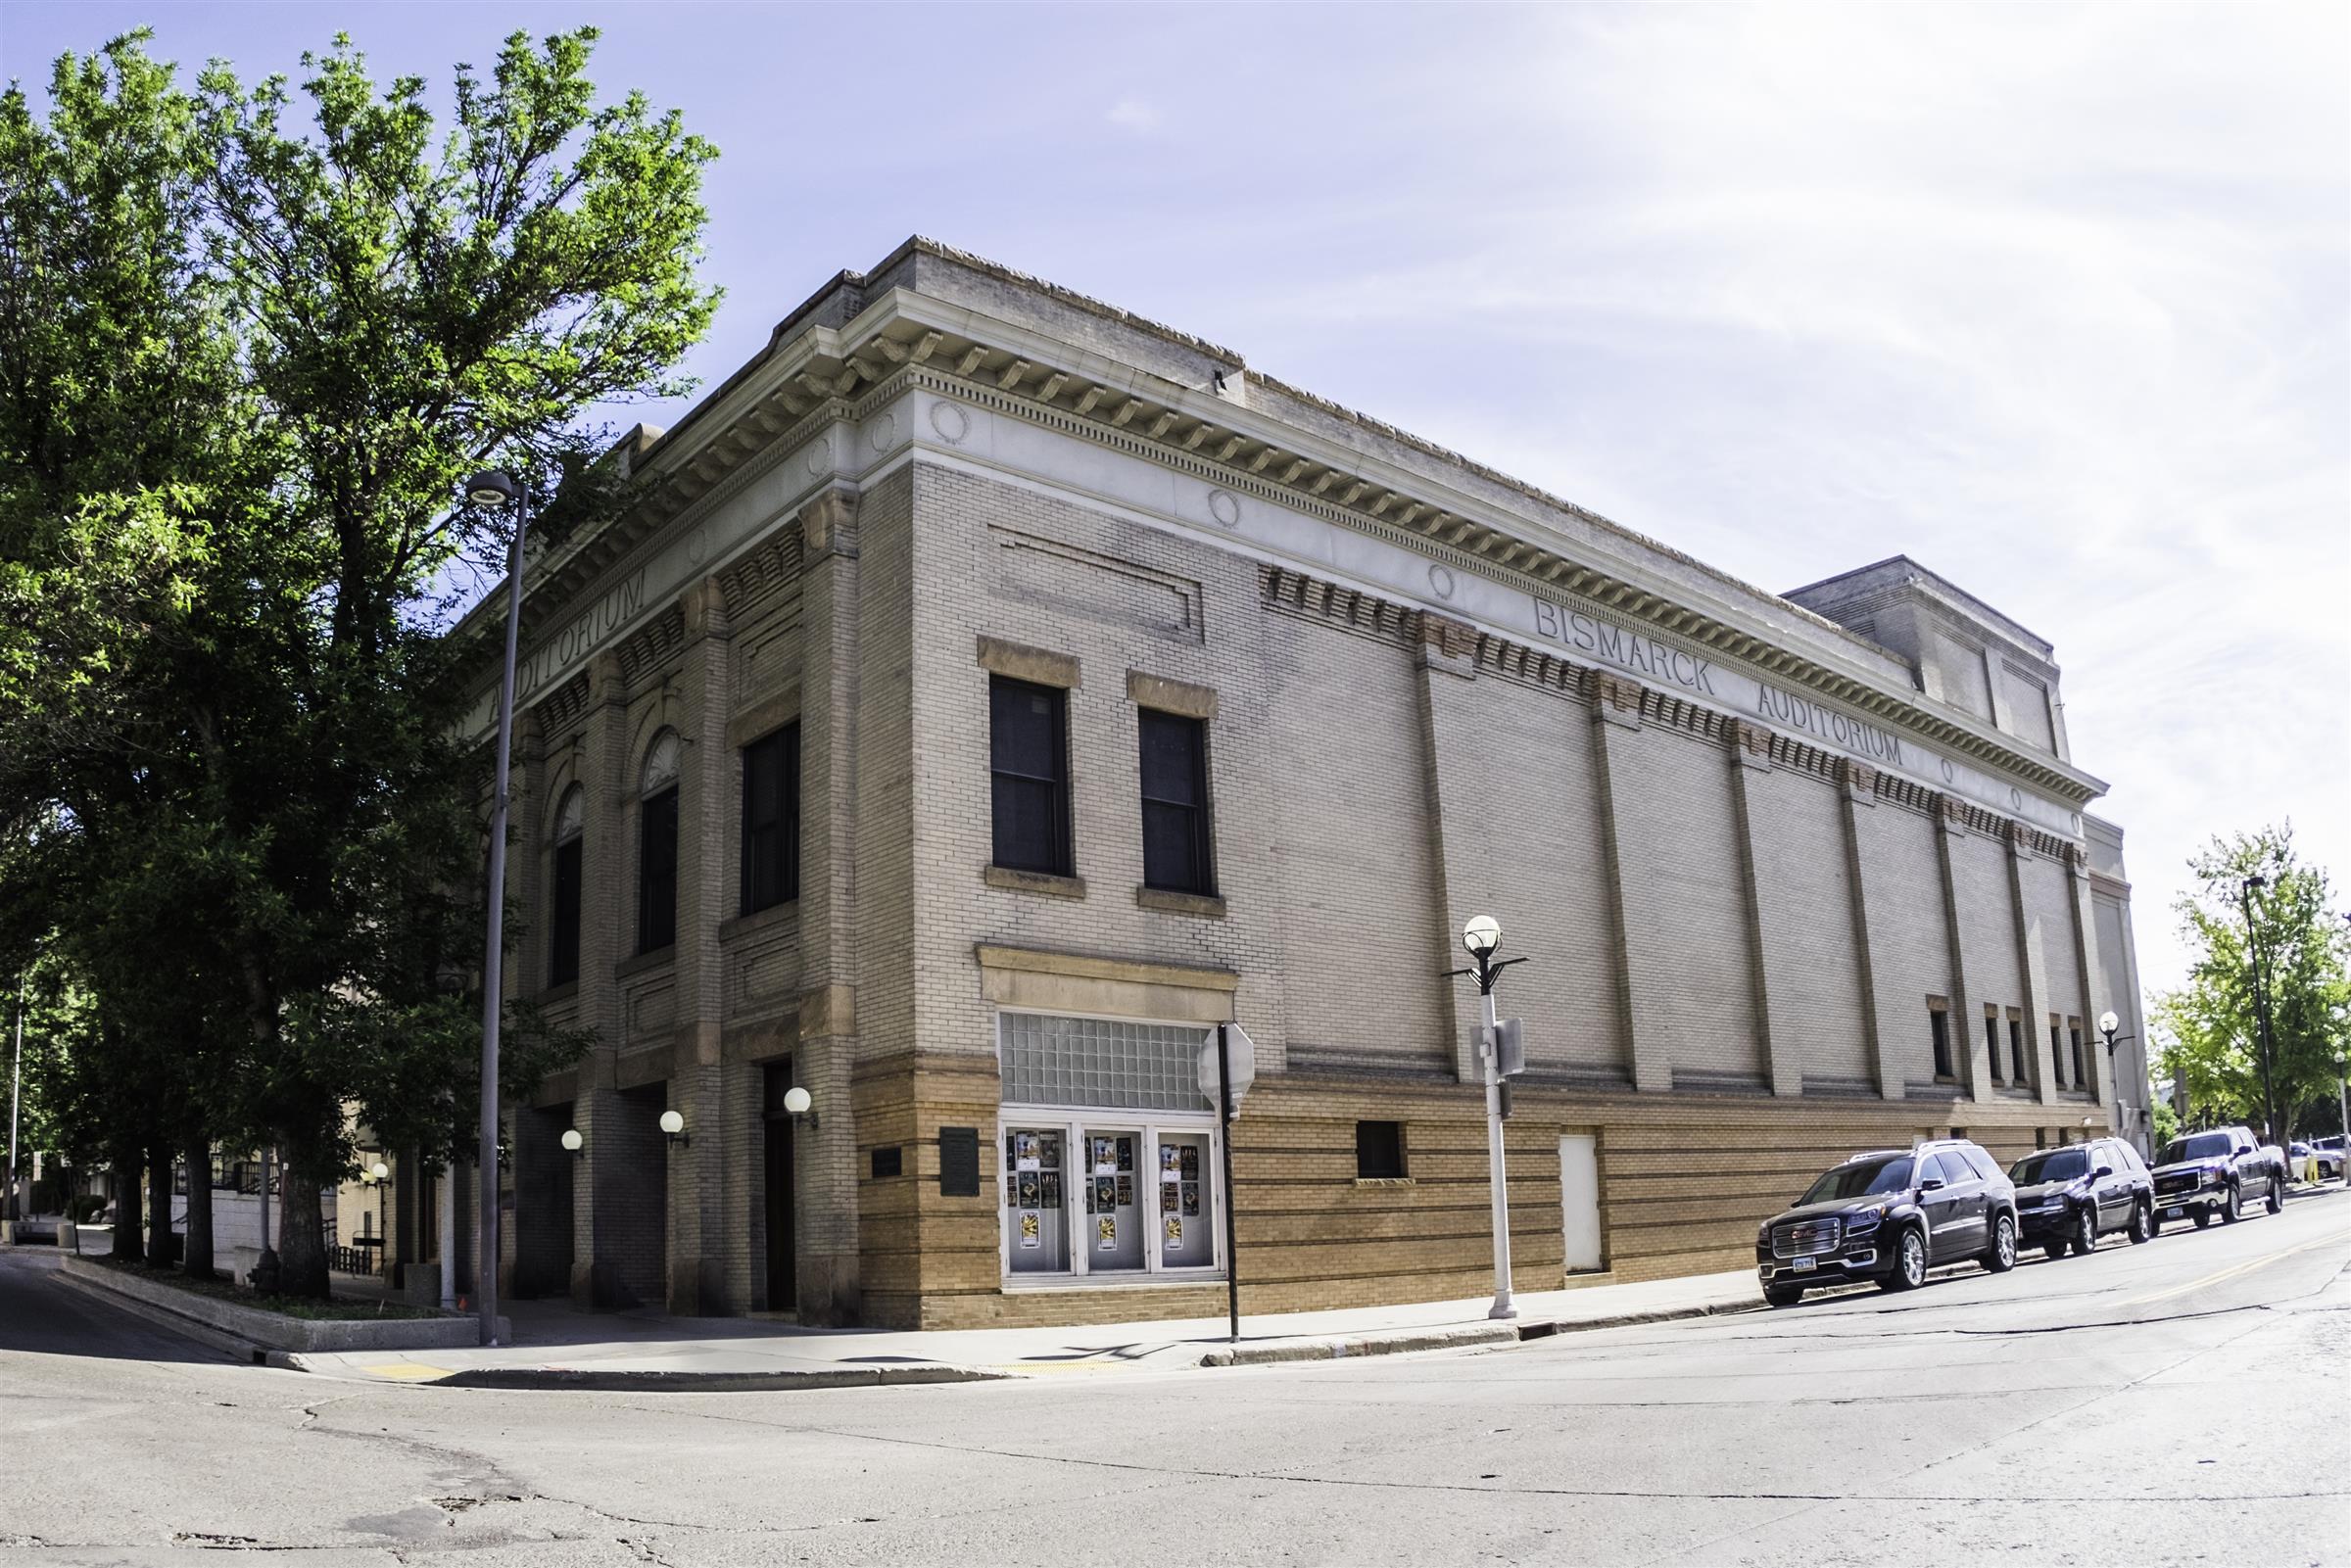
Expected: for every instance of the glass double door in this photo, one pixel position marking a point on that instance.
(1086, 1199)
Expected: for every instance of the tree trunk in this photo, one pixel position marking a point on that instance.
(159, 1205)
(301, 1236)
(124, 1174)
(197, 1259)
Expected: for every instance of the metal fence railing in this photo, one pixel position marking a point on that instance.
(364, 1258)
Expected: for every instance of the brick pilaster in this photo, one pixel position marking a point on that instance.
(709, 1265)
(827, 1236)
(1615, 718)
(2093, 999)
(611, 1187)
(2031, 969)
(1885, 1016)
(1464, 876)
(1969, 992)
(1772, 947)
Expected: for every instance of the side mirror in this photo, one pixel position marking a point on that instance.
(1929, 1183)
(2101, 1173)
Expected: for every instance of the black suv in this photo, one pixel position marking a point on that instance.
(1889, 1215)
(2217, 1172)
(2070, 1197)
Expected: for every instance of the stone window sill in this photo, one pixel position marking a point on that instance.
(658, 958)
(1165, 1279)
(1204, 906)
(559, 993)
(1034, 882)
(1383, 1181)
(759, 920)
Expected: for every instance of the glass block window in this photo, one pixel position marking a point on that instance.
(1101, 1061)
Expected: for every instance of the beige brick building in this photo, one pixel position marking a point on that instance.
(993, 689)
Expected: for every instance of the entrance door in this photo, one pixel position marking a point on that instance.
(1579, 1199)
(1186, 1239)
(782, 1289)
(1114, 1232)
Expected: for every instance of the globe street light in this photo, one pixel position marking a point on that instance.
(1480, 937)
(490, 489)
(2107, 1025)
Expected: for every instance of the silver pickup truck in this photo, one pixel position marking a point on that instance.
(2218, 1172)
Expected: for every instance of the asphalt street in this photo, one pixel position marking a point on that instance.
(2183, 1401)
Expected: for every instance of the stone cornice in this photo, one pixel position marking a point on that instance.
(824, 377)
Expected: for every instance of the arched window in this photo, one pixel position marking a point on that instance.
(563, 922)
(661, 764)
(657, 846)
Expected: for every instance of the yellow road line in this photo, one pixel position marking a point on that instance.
(2232, 1271)
(406, 1371)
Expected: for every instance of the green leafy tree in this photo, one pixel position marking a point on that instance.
(264, 705)
(2209, 1029)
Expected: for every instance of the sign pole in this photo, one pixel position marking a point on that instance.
(1233, 1259)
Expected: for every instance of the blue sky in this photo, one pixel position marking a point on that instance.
(2053, 300)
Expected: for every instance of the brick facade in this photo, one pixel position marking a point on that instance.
(1735, 913)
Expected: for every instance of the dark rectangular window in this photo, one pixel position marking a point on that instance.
(771, 820)
(887, 1162)
(1175, 841)
(1992, 1043)
(658, 872)
(1939, 1019)
(2016, 1047)
(1378, 1149)
(1029, 762)
(2073, 1027)
(2056, 1055)
(563, 930)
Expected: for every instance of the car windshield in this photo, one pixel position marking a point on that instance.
(1861, 1179)
(2203, 1145)
(2050, 1164)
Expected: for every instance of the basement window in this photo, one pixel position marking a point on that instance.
(1378, 1151)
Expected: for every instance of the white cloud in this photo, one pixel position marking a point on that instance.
(1135, 114)
(2051, 299)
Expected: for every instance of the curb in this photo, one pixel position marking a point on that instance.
(588, 1380)
(203, 1333)
(263, 1329)
(1470, 1338)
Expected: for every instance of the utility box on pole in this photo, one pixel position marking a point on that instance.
(1510, 1048)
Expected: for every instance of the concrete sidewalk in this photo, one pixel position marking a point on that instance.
(562, 1349)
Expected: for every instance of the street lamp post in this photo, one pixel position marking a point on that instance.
(2343, 1107)
(2261, 1008)
(2107, 1025)
(1481, 937)
(491, 488)
(16, 1087)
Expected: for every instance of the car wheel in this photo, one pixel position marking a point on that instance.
(2142, 1223)
(2277, 1195)
(2203, 1218)
(2232, 1207)
(2002, 1255)
(1783, 1295)
(1909, 1262)
(2085, 1231)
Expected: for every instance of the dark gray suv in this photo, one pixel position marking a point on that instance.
(1889, 1216)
